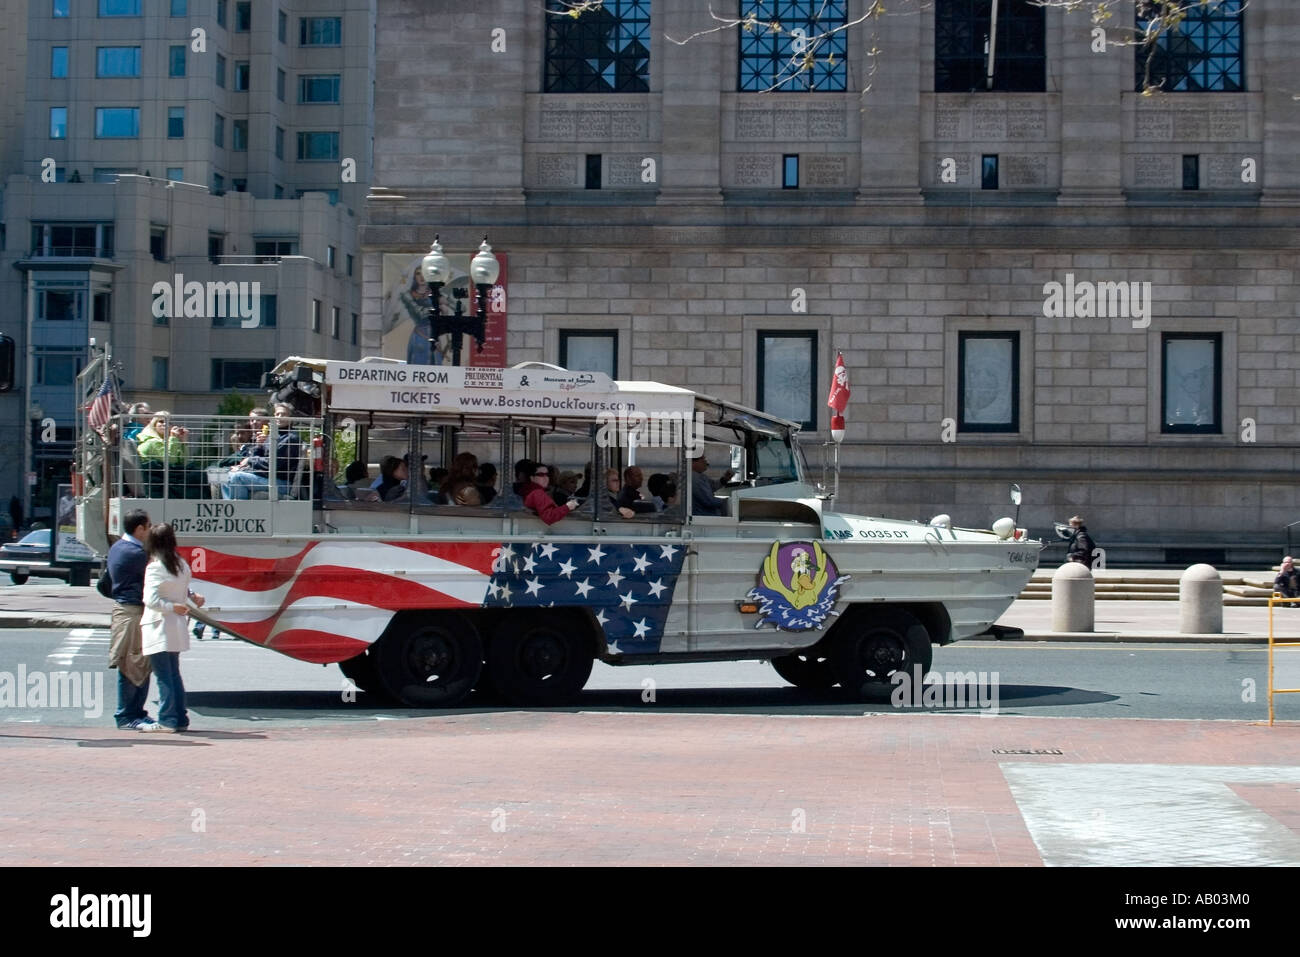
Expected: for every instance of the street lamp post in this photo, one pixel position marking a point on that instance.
(483, 271)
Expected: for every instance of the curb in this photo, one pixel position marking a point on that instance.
(1229, 638)
(12, 620)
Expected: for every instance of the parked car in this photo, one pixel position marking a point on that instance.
(29, 556)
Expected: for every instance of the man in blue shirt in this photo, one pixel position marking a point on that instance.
(126, 563)
(254, 471)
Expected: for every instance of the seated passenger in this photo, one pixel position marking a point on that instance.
(357, 476)
(141, 415)
(486, 482)
(538, 501)
(630, 496)
(157, 443)
(245, 438)
(459, 488)
(568, 484)
(393, 476)
(663, 490)
(524, 469)
(254, 471)
(613, 486)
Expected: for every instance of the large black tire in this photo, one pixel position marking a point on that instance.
(871, 645)
(540, 657)
(810, 668)
(363, 671)
(18, 578)
(429, 660)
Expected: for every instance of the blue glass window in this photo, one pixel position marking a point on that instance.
(117, 61)
(773, 56)
(119, 8)
(1203, 54)
(603, 50)
(117, 122)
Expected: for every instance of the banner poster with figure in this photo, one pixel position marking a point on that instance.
(67, 547)
(405, 318)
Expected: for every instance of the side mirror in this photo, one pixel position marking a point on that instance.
(1015, 495)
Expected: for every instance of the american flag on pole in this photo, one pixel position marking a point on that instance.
(101, 407)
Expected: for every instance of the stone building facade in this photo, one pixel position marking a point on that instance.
(1059, 282)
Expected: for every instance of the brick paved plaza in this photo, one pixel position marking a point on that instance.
(524, 788)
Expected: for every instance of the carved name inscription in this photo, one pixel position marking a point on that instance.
(555, 169)
(1023, 170)
(755, 169)
(947, 124)
(753, 124)
(1154, 172)
(823, 170)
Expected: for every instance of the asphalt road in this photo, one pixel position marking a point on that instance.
(232, 685)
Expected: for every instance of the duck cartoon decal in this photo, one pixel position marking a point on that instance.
(797, 587)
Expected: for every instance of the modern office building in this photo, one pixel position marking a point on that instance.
(165, 141)
(1036, 272)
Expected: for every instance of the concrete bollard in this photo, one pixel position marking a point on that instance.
(1074, 598)
(1200, 601)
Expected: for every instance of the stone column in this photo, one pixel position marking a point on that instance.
(890, 166)
(691, 76)
(1092, 132)
(1271, 31)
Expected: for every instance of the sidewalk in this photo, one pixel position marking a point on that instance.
(529, 788)
(51, 604)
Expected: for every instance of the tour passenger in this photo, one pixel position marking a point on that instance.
(522, 485)
(538, 501)
(245, 438)
(630, 496)
(663, 490)
(141, 414)
(458, 488)
(253, 471)
(486, 482)
(393, 475)
(613, 487)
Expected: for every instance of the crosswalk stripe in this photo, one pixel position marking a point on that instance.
(79, 641)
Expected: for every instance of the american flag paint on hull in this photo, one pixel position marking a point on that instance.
(329, 600)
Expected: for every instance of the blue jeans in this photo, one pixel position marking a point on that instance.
(131, 701)
(171, 690)
(238, 485)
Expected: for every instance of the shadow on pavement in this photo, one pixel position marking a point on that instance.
(328, 705)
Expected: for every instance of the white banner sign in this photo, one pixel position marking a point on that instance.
(392, 387)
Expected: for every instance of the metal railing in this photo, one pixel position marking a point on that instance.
(210, 457)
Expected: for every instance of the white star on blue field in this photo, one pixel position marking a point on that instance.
(629, 588)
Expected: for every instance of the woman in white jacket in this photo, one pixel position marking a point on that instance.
(163, 626)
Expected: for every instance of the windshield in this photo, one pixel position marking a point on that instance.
(774, 460)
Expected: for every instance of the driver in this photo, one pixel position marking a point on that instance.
(703, 501)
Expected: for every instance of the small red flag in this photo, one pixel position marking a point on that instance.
(839, 397)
